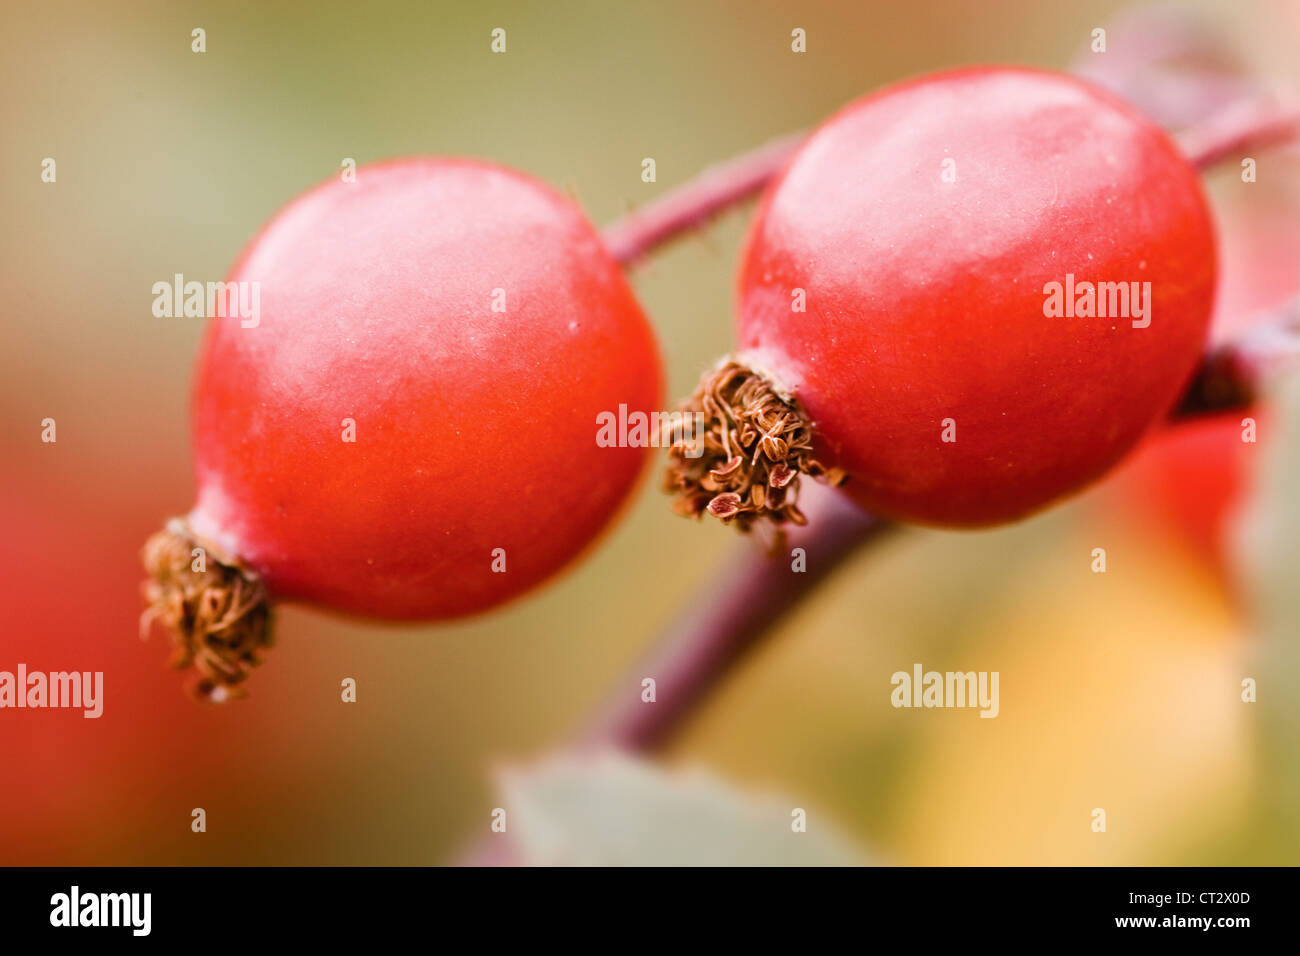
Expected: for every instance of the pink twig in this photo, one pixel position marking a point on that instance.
(1238, 130)
(1237, 372)
(727, 617)
(1246, 126)
(689, 206)
(724, 621)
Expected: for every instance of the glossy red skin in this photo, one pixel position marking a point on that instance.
(925, 298)
(475, 430)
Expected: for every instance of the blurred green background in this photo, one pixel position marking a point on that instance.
(1118, 690)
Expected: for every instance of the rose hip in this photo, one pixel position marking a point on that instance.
(896, 318)
(408, 432)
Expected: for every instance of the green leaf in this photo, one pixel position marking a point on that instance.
(615, 810)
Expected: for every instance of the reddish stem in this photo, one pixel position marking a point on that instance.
(726, 618)
(716, 629)
(1234, 374)
(689, 206)
(1249, 125)
(1236, 130)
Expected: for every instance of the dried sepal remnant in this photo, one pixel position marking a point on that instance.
(215, 609)
(757, 444)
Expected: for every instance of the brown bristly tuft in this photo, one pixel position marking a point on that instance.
(757, 444)
(218, 618)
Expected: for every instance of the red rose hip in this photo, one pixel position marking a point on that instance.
(972, 293)
(408, 429)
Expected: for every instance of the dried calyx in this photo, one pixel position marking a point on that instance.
(215, 609)
(745, 463)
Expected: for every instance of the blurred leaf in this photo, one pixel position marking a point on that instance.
(615, 810)
(1171, 62)
(1269, 546)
